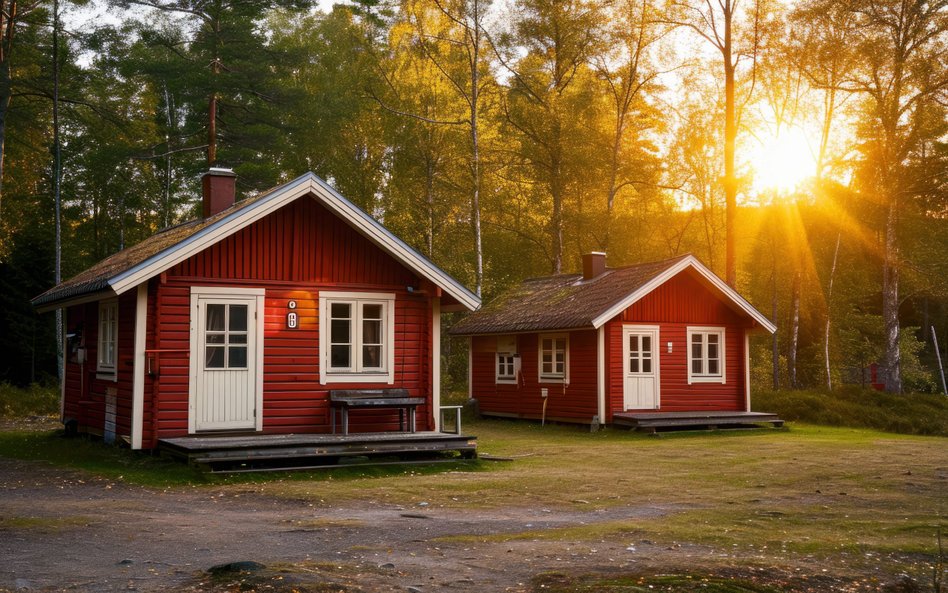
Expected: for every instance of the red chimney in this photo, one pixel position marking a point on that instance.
(594, 264)
(219, 190)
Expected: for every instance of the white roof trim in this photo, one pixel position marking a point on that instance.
(692, 262)
(275, 199)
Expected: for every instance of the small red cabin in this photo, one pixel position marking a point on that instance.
(667, 336)
(245, 319)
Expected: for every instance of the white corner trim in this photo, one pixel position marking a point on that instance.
(667, 275)
(139, 365)
(470, 367)
(601, 374)
(436, 362)
(65, 350)
(307, 184)
(747, 372)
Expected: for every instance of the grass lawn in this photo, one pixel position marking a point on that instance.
(811, 490)
(841, 496)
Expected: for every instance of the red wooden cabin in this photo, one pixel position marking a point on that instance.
(667, 336)
(244, 320)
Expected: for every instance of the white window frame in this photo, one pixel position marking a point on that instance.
(553, 377)
(505, 361)
(355, 373)
(108, 333)
(704, 376)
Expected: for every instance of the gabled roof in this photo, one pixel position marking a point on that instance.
(130, 267)
(567, 301)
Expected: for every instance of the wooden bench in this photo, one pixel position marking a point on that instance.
(342, 400)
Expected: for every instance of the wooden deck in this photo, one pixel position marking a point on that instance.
(268, 452)
(654, 421)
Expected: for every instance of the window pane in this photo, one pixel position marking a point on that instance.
(339, 356)
(340, 331)
(646, 343)
(712, 350)
(646, 365)
(713, 367)
(371, 331)
(561, 345)
(547, 344)
(238, 318)
(341, 310)
(372, 357)
(633, 344)
(237, 358)
(215, 338)
(238, 338)
(560, 369)
(215, 318)
(696, 366)
(696, 351)
(371, 311)
(713, 339)
(633, 365)
(214, 357)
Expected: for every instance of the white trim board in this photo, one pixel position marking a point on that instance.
(686, 262)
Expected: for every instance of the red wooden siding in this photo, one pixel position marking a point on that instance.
(301, 242)
(575, 402)
(683, 301)
(85, 393)
(293, 253)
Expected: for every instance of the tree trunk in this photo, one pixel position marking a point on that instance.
(890, 302)
(829, 305)
(794, 329)
(774, 340)
(7, 20)
(57, 175)
(730, 138)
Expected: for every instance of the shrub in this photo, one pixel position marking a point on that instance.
(914, 413)
(35, 400)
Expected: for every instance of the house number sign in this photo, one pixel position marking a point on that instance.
(292, 317)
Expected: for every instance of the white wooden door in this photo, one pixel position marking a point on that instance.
(640, 367)
(226, 382)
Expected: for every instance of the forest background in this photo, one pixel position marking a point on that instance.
(798, 149)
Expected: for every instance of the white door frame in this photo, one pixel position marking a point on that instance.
(224, 293)
(654, 331)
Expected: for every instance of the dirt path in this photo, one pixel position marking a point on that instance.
(64, 530)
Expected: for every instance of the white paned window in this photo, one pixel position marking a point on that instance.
(706, 355)
(554, 358)
(357, 337)
(506, 367)
(108, 338)
(506, 363)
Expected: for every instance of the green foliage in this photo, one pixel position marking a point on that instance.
(914, 413)
(35, 400)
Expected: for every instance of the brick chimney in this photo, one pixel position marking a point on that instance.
(219, 190)
(594, 264)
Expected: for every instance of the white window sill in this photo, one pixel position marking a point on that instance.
(554, 380)
(358, 378)
(512, 381)
(706, 380)
(106, 376)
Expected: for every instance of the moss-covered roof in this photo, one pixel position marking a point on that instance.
(560, 302)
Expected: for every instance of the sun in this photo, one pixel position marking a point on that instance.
(781, 162)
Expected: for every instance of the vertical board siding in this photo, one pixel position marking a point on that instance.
(293, 253)
(574, 402)
(683, 301)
